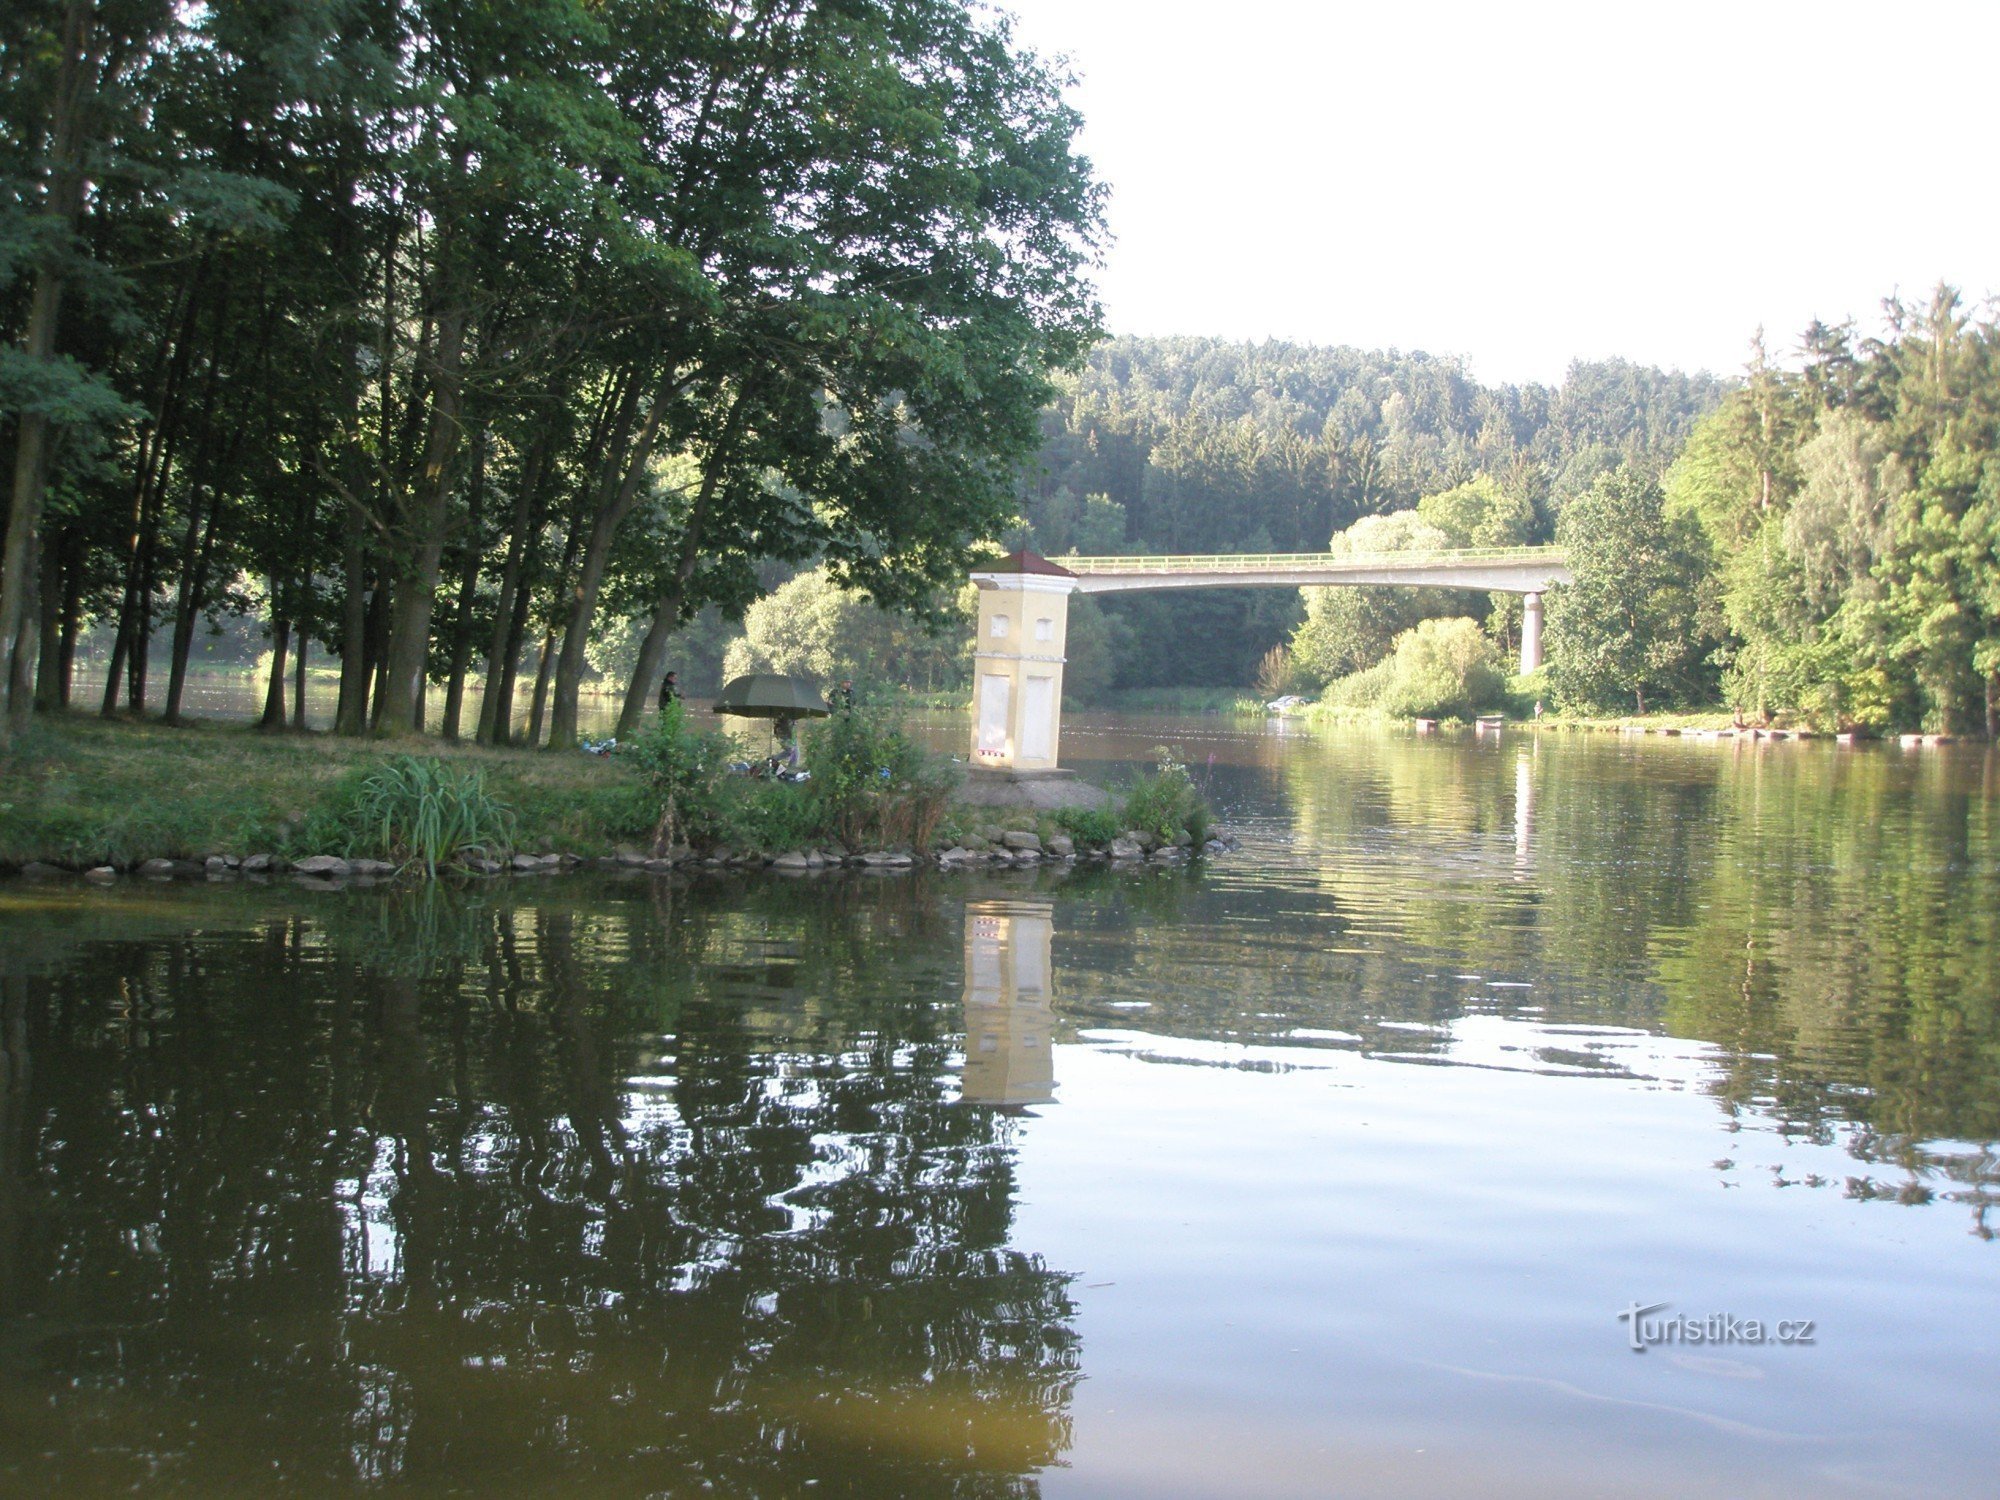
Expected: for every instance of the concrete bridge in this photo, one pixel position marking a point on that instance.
(1024, 618)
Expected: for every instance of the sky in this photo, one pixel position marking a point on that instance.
(1522, 184)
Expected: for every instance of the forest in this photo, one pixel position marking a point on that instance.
(452, 336)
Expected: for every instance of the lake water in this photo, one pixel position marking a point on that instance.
(1325, 1168)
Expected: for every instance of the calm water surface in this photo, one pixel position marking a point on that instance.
(1326, 1169)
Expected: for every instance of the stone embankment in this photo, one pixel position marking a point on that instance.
(981, 848)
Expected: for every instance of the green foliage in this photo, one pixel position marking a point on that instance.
(875, 785)
(685, 770)
(1347, 629)
(813, 627)
(1278, 675)
(1091, 827)
(1167, 802)
(1481, 513)
(1850, 507)
(417, 811)
(1204, 445)
(409, 287)
(1363, 690)
(1098, 644)
(1630, 625)
(1443, 669)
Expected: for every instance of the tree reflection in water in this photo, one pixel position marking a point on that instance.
(654, 1191)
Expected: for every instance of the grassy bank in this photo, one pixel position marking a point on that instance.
(81, 791)
(1186, 700)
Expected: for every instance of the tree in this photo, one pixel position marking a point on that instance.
(1628, 627)
(1347, 629)
(812, 627)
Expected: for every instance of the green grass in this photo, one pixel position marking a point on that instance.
(1693, 718)
(78, 789)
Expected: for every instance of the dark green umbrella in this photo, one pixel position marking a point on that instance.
(771, 695)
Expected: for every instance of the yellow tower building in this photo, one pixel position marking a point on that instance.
(1018, 663)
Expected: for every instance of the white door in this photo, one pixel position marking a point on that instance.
(994, 691)
(1038, 719)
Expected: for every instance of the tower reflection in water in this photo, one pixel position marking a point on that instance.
(1009, 992)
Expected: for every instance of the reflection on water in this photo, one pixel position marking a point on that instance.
(1009, 988)
(648, 1189)
(1362, 1138)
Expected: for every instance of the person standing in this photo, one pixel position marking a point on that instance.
(670, 691)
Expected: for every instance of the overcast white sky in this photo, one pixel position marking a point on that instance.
(1526, 183)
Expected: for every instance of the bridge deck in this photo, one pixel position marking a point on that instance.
(1514, 570)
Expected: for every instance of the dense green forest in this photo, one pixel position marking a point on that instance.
(1201, 445)
(1840, 524)
(457, 336)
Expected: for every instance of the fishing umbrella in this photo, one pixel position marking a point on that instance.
(771, 695)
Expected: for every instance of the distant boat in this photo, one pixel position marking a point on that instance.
(1285, 704)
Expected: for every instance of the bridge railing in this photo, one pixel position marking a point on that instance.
(1258, 562)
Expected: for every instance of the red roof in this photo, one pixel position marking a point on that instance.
(1025, 561)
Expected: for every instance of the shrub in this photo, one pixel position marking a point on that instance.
(1167, 801)
(419, 812)
(1442, 669)
(685, 769)
(1093, 827)
(1278, 674)
(875, 783)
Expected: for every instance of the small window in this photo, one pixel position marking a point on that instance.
(999, 627)
(1045, 630)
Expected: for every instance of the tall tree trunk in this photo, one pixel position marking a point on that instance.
(72, 619)
(60, 205)
(416, 582)
(134, 608)
(48, 666)
(557, 587)
(114, 673)
(533, 737)
(496, 699)
(351, 716)
(502, 695)
(611, 515)
(196, 546)
(374, 636)
(274, 692)
(468, 588)
(300, 650)
(138, 660)
(21, 667)
(647, 671)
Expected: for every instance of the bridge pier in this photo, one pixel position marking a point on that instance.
(1531, 632)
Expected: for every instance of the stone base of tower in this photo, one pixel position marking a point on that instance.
(1030, 791)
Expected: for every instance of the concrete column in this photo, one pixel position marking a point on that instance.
(1017, 666)
(1531, 632)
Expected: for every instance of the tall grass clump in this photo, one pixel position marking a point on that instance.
(423, 813)
(1167, 800)
(1091, 827)
(878, 787)
(685, 769)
